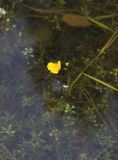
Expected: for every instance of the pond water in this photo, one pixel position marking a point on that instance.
(38, 120)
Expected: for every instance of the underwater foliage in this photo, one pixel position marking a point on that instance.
(58, 80)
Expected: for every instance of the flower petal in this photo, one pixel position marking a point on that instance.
(54, 67)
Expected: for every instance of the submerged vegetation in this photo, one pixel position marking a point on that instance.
(58, 79)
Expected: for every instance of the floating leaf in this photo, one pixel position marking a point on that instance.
(75, 20)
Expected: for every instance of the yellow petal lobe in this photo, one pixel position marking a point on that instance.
(54, 67)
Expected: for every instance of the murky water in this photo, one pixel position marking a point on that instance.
(29, 128)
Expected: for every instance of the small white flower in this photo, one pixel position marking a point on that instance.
(2, 12)
(67, 64)
(65, 86)
(7, 19)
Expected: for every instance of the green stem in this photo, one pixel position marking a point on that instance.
(89, 64)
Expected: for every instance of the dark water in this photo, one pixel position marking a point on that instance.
(28, 129)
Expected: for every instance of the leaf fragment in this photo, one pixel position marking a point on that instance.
(75, 20)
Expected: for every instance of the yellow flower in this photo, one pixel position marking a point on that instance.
(54, 67)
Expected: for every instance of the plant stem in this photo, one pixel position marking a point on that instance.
(102, 51)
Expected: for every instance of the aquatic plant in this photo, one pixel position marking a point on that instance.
(28, 52)
(41, 119)
(8, 126)
(7, 130)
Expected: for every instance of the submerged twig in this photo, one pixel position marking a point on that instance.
(107, 16)
(101, 25)
(102, 51)
(110, 41)
(101, 82)
(88, 96)
(48, 11)
(63, 11)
